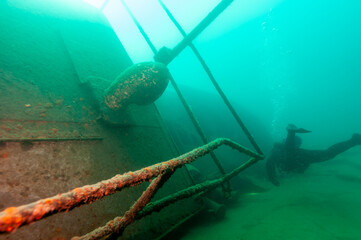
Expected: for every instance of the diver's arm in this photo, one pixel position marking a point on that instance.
(271, 168)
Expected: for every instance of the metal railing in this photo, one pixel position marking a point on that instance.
(166, 55)
(14, 217)
(211, 76)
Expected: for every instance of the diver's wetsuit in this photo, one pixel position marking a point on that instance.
(288, 157)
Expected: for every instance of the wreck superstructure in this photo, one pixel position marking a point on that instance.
(58, 64)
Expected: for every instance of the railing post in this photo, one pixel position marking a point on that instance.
(213, 80)
(189, 111)
(197, 30)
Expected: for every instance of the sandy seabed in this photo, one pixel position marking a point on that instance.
(322, 204)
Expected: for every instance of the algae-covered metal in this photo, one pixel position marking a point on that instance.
(139, 84)
(52, 138)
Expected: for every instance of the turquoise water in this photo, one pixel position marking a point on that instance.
(279, 62)
(283, 61)
(298, 63)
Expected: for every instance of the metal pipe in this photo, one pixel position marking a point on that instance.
(116, 226)
(213, 80)
(145, 36)
(139, 210)
(227, 187)
(105, 3)
(14, 217)
(196, 123)
(199, 188)
(197, 30)
(179, 93)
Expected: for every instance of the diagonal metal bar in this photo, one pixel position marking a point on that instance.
(226, 188)
(14, 217)
(195, 123)
(199, 188)
(216, 11)
(213, 80)
(140, 210)
(116, 226)
(180, 95)
(105, 3)
(145, 36)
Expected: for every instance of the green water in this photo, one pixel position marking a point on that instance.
(284, 61)
(297, 62)
(278, 62)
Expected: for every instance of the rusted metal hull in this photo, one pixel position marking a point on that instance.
(52, 136)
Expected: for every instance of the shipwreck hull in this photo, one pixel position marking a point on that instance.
(53, 137)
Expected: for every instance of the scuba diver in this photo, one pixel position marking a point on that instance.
(289, 157)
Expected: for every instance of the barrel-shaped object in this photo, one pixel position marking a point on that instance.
(139, 84)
